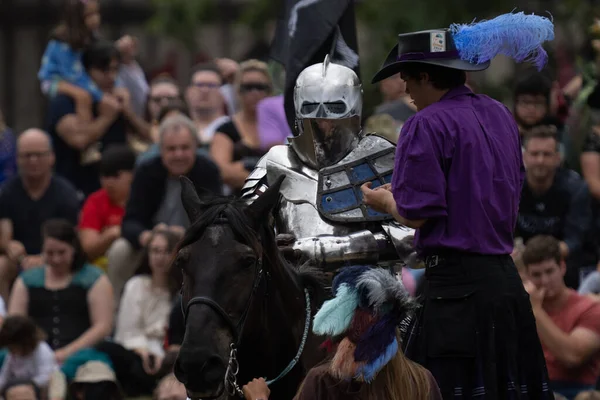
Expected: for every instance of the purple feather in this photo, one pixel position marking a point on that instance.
(348, 275)
(376, 339)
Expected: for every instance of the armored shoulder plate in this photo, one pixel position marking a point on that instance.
(300, 184)
(339, 197)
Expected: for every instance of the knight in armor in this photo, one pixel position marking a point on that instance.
(321, 211)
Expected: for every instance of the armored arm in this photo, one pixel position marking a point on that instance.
(362, 247)
(256, 183)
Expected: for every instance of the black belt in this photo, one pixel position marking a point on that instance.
(433, 259)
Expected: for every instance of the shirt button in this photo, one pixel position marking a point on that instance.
(56, 331)
(55, 308)
(56, 320)
(55, 342)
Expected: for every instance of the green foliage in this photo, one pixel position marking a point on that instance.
(256, 13)
(179, 19)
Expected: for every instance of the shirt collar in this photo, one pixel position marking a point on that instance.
(457, 91)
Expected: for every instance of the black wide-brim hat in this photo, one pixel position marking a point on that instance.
(435, 47)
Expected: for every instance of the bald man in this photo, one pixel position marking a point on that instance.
(26, 202)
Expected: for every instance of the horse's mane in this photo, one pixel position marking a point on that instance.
(232, 211)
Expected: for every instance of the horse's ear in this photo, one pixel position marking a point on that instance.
(190, 199)
(262, 206)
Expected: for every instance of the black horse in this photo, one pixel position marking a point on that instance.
(245, 307)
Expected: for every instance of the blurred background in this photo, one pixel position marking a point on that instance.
(174, 35)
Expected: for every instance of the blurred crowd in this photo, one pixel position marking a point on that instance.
(90, 210)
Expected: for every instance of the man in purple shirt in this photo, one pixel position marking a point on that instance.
(457, 180)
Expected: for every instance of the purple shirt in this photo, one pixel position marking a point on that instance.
(272, 123)
(459, 165)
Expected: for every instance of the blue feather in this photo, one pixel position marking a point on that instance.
(515, 35)
(367, 372)
(336, 314)
(348, 275)
(376, 339)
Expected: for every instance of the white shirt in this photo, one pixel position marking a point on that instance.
(143, 316)
(37, 367)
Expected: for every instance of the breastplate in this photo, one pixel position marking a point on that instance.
(298, 211)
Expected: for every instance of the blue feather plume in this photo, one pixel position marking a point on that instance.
(336, 314)
(367, 372)
(376, 339)
(515, 35)
(348, 275)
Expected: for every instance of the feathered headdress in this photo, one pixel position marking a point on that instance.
(470, 47)
(368, 306)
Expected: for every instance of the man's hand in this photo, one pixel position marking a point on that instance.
(61, 355)
(109, 106)
(256, 390)
(379, 199)
(145, 356)
(31, 262)
(177, 230)
(123, 97)
(536, 295)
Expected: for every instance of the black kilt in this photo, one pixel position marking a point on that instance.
(476, 330)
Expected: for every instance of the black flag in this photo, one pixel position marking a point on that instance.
(306, 31)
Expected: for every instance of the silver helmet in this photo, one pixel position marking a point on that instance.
(328, 102)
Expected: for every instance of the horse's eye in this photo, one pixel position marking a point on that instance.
(248, 261)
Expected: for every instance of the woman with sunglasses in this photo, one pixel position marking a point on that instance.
(236, 146)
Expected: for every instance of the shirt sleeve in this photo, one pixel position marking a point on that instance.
(129, 333)
(419, 182)
(578, 219)
(45, 365)
(591, 143)
(90, 215)
(590, 319)
(70, 204)
(2, 308)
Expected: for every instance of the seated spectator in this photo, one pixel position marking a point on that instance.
(236, 144)
(568, 324)
(273, 128)
(29, 358)
(531, 100)
(554, 201)
(21, 391)
(169, 388)
(173, 108)
(8, 159)
(95, 380)
(26, 202)
(112, 116)
(155, 196)
(163, 90)
(68, 298)
(137, 352)
(100, 222)
(206, 102)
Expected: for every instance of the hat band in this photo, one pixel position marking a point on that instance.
(428, 55)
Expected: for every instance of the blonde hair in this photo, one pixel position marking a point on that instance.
(589, 395)
(253, 66)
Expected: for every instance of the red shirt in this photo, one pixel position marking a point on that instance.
(579, 311)
(98, 212)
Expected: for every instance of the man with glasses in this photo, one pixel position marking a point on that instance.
(26, 202)
(112, 117)
(206, 102)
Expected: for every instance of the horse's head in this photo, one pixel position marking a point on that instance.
(222, 257)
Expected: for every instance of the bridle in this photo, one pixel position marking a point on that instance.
(230, 379)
